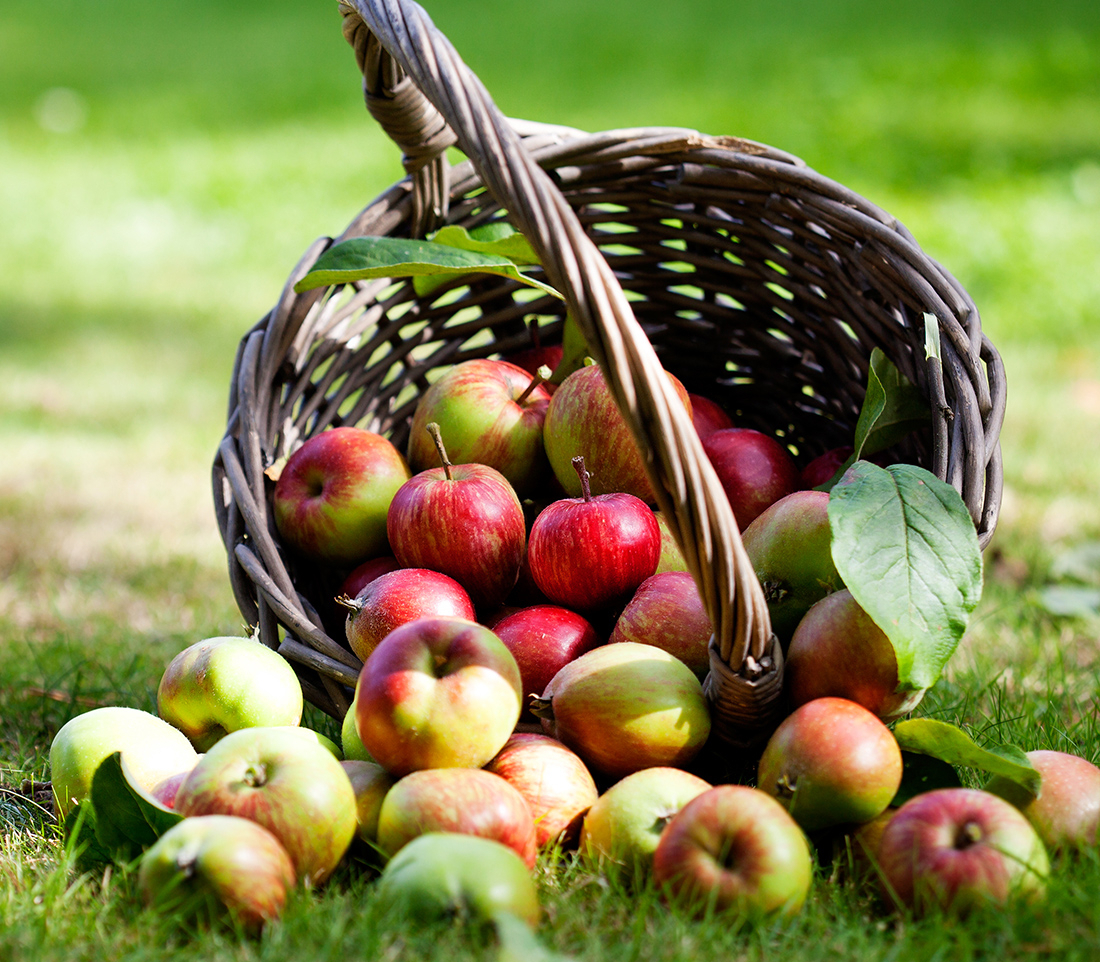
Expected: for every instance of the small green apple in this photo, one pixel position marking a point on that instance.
(352, 744)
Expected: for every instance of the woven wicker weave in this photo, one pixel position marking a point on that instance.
(733, 265)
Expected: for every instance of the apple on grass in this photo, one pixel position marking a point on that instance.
(351, 744)
(734, 848)
(437, 693)
(215, 866)
(754, 468)
(291, 785)
(470, 801)
(371, 782)
(667, 611)
(960, 849)
(332, 495)
(221, 684)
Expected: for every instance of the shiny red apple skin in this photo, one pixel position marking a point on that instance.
(554, 781)
(824, 466)
(708, 416)
(667, 611)
(754, 468)
(543, 639)
(476, 405)
(362, 575)
(437, 693)
(401, 596)
(332, 495)
(464, 520)
(533, 358)
(470, 801)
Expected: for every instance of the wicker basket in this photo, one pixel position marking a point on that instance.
(754, 279)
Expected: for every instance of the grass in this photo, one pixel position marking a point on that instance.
(163, 168)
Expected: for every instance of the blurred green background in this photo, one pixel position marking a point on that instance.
(163, 166)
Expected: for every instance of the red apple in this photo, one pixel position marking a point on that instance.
(533, 359)
(364, 574)
(331, 498)
(734, 848)
(593, 551)
(754, 468)
(543, 639)
(838, 650)
(960, 849)
(824, 466)
(708, 416)
(487, 416)
(470, 801)
(370, 782)
(667, 611)
(554, 781)
(463, 520)
(831, 762)
(672, 558)
(398, 597)
(437, 693)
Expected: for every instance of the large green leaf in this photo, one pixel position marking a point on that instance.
(496, 237)
(950, 744)
(905, 546)
(923, 773)
(359, 258)
(127, 819)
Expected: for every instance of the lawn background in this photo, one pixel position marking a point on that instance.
(162, 167)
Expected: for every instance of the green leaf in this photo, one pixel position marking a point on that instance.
(496, 237)
(359, 258)
(931, 337)
(949, 743)
(923, 773)
(574, 349)
(128, 820)
(79, 830)
(892, 407)
(905, 546)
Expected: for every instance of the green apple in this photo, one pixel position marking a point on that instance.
(223, 684)
(352, 744)
(153, 750)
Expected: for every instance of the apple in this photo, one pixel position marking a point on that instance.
(824, 466)
(1066, 812)
(350, 743)
(442, 875)
(667, 611)
(538, 355)
(398, 597)
(543, 639)
(671, 558)
(754, 468)
(165, 790)
(293, 786)
(437, 693)
(216, 865)
(708, 416)
(220, 684)
(838, 650)
(622, 828)
(463, 520)
(593, 551)
(790, 547)
(153, 750)
(553, 780)
(626, 707)
(370, 782)
(734, 848)
(488, 416)
(960, 849)
(332, 495)
(583, 420)
(362, 575)
(831, 762)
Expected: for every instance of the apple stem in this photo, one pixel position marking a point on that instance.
(542, 374)
(541, 707)
(346, 601)
(437, 437)
(582, 473)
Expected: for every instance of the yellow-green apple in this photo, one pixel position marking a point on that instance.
(708, 416)
(398, 597)
(790, 547)
(1066, 812)
(350, 743)
(593, 551)
(291, 785)
(626, 707)
(152, 749)
(543, 639)
(371, 782)
(437, 693)
(471, 801)
(831, 762)
(488, 416)
(754, 468)
(332, 495)
(215, 866)
(672, 558)
(734, 848)
(584, 420)
(960, 849)
(220, 684)
(553, 780)
(667, 611)
(622, 828)
(464, 520)
(444, 875)
(837, 650)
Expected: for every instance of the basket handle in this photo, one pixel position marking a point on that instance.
(427, 99)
